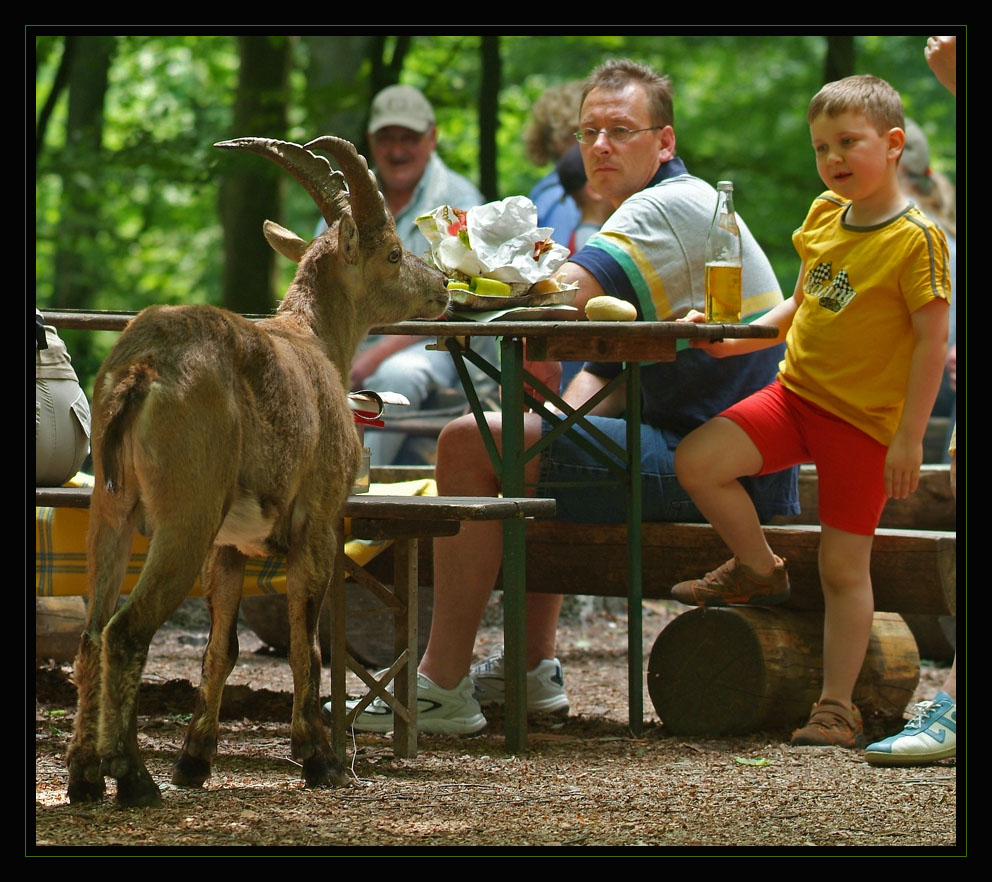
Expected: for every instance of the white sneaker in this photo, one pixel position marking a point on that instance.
(439, 711)
(930, 735)
(545, 685)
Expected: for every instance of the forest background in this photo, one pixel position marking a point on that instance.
(134, 206)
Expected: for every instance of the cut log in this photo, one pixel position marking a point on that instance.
(737, 670)
(58, 623)
(369, 628)
(935, 636)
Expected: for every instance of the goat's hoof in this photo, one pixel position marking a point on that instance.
(138, 790)
(190, 771)
(85, 781)
(317, 772)
(81, 790)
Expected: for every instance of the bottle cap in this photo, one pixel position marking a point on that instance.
(725, 185)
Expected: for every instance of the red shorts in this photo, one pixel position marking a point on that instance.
(850, 465)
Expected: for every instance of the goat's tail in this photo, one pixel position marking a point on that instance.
(120, 407)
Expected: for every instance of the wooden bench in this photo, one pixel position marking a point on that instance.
(406, 520)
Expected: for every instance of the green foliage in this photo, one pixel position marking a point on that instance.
(155, 236)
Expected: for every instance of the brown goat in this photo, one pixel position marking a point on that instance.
(221, 438)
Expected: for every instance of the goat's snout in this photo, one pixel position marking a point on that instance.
(433, 287)
(442, 299)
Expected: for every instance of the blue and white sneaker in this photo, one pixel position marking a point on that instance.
(930, 735)
(545, 685)
(439, 711)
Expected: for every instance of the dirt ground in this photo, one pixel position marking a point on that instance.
(585, 783)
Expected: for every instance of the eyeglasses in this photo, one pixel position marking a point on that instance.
(617, 134)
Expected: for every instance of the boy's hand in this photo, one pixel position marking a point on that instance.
(716, 348)
(902, 467)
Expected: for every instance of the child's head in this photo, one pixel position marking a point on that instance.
(856, 125)
(865, 94)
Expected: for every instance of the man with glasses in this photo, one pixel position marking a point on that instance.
(651, 253)
(414, 180)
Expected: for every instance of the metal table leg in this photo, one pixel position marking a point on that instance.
(635, 661)
(514, 575)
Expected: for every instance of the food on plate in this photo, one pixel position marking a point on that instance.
(490, 287)
(455, 285)
(545, 286)
(610, 309)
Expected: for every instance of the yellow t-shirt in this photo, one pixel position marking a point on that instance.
(851, 341)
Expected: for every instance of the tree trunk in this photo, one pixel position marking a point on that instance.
(839, 62)
(489, 116)
(76, 278)
(251, 191)
(59, 84)
(385, 72)
(337, 96)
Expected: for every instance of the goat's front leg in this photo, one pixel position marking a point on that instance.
(223, 580)
(308, 578)
(109, 550)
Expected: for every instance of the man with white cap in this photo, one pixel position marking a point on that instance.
(414, 180)
(403, 137)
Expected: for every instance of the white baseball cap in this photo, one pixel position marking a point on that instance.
(401, 106)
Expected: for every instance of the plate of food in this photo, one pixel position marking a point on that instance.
(484, 295)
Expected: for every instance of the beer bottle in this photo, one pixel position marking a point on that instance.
(723, 260)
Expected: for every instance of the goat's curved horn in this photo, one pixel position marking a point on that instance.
(367, 205)
(325, 186)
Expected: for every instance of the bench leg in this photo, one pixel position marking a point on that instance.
(339, 665)
(514, 564)
(635, 648)
(406, 640)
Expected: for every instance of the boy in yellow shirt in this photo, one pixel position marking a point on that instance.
(866, 334)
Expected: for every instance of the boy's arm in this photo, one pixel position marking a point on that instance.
(779, 317)
(905, 454)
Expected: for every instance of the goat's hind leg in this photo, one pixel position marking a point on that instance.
(109, 548)
(174, 558)
(308, 578)
(223, 580)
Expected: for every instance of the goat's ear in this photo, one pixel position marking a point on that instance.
(348, 239)
(287, 243)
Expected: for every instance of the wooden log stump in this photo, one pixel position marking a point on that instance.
(737, 670)
(935, 636)
(59, 621)
(369, 629)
